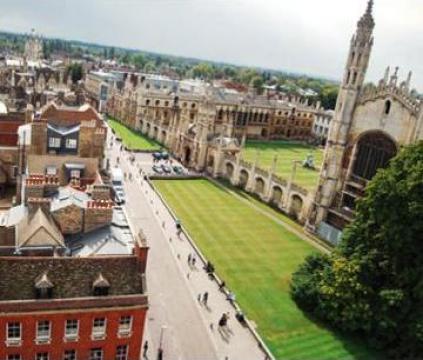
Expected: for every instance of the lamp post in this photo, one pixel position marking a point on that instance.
(160, 351)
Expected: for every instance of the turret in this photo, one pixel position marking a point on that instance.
(360, 49)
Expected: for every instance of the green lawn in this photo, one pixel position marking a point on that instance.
(256, 256)
(131, 139)
(286, 152)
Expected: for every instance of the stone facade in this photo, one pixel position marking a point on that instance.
(369, 126)
(187, 122)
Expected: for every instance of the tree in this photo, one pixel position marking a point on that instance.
(139, 61)
(257, 83)
(372, 284)
(328, 96)
(76, 72)
(203, 71)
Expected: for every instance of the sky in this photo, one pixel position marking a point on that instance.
(301, 36)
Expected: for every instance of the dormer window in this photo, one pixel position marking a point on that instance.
(43, 288)
(101, 286)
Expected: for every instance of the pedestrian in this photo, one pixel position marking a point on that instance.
(205, 298)
(189, 259)
(199, 298)
(223, 320)
(222, 285)
(145, 349)
(193, 261)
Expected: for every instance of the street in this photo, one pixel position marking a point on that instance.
(188, 330)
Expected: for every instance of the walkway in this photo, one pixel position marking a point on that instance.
(189, 328)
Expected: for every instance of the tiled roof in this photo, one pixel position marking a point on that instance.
(71, 277)
(67, 116)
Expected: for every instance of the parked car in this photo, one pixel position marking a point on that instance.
(157, 169)
(178, 169)
(119, 196)
(166, 168)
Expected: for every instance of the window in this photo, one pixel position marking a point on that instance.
(387, 107)
(71, 143)
(76, 174)
(14, 331)
(69, 355)
(96, 354)
(51, 170)
(42, 356)
(13, 357)
(71, 329)
(54, 142)
(99, 327)
(125, 324)
(122, 352)
(43, 330)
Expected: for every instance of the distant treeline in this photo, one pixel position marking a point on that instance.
(295, 84)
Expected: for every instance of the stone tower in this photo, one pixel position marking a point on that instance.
(355, 71)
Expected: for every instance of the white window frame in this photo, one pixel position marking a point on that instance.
(72, 336)
(74, 355)
(40, 356)
(120, 355)
(125, 328)
(95, 356)
(54, 142)
(75, 173)
(51, 170)
(14, 357)
(74, 143)
(99, 332)
(13, 341)
(42, 338)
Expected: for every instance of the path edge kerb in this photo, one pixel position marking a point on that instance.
(216, 278)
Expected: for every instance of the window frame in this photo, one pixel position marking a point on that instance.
(68, 141)
(71, 336)
(12, 339)
(119, 355)
(123, 328)
(39, 337)
(52, 142)
(66, 354)
(95, 356)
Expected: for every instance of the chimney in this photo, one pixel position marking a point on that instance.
(34, 204)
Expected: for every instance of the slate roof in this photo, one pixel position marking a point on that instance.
(71, 277)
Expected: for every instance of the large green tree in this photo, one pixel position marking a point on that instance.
(372, 284)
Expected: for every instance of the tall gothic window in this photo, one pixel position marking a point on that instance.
(387, 107)
(374, 152)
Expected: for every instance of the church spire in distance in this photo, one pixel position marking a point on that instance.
(367, 20)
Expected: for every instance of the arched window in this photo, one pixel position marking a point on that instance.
(387, 107)
(374, 150)
(354, 80)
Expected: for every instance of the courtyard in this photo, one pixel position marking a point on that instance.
(132, 139)
(255, 254)
(286, 153)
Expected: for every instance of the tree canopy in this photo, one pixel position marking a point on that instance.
(372, 284)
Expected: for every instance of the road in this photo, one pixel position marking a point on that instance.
(188, 329)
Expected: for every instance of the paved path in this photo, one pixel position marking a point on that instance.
(191, 331)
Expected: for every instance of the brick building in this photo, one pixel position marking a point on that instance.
(72, 276)
(63, 141)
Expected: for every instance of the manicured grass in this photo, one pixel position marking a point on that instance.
(256, 256)
(131, 139)
(286, 152)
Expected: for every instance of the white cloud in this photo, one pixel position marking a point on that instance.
(301, 35)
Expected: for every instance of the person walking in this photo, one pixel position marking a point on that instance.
(205, 298)
(189, 259)
(193, 261)
(145, 349)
